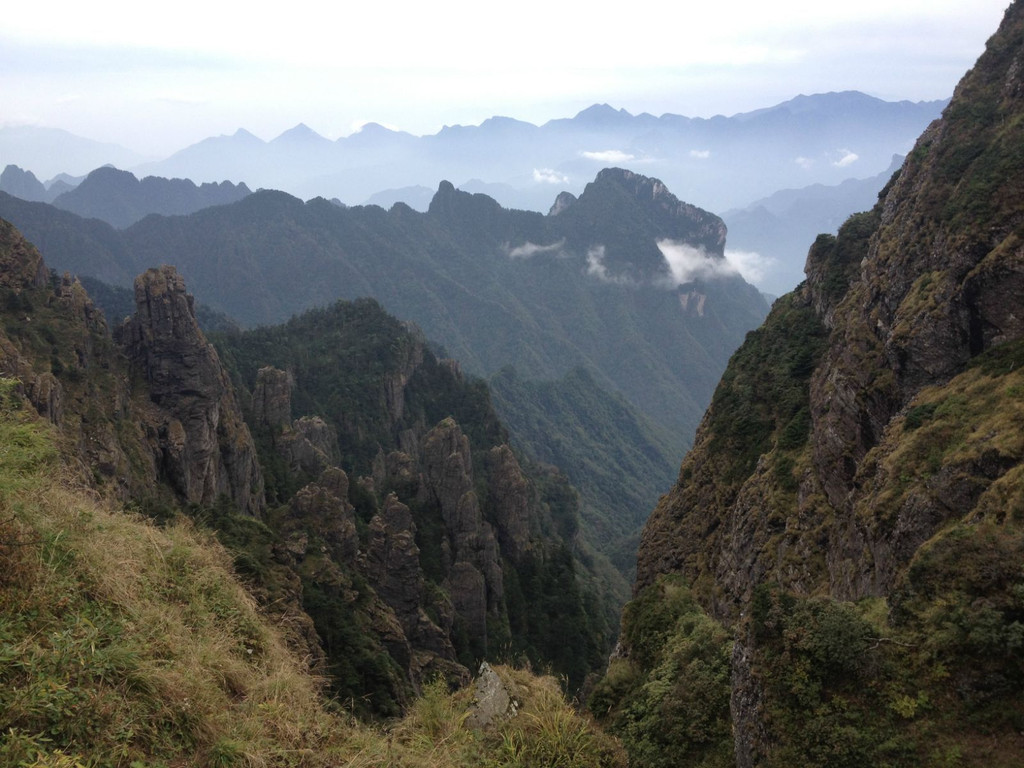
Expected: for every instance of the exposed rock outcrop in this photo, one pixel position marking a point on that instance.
(475, 576)
(204, 446)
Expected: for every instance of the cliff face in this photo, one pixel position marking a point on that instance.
(153, 405)
(868, 432)
(195, 425)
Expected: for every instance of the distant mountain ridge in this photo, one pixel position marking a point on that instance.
(779, 227)
(120, 199)
(819, 138)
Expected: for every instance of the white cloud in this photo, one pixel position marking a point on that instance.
(549, 176)
(687, 263)
(528, 249)
(751, 265)
(595, 262)
(700, 154)
(805, 162)
(609, 156)
(847, 158)
(596, 267)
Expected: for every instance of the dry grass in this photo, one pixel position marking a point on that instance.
(124, 644)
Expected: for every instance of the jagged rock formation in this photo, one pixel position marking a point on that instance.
(160, 407)
(205, 450)
(445, 549)
(620, 305)
(309, 445)
(852, 506)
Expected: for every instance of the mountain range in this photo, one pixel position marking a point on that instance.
(821, 138)
(621, 297)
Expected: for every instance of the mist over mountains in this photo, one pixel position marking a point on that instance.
(822, 138)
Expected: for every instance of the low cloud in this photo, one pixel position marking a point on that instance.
(700, 154)
(846, 158)
(609, 156)
(528, 249)
(549, 176)
(596, 267)
(595, 262)
(688, 263)
(751, 265)
(805, 162)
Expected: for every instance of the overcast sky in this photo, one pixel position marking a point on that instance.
(156, 78)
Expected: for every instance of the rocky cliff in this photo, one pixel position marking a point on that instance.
(203, 446)
(153, 405)
(432, 546)
(851, 510)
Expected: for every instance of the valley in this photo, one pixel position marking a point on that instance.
(281, 479)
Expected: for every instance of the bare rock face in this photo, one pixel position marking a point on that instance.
(203, 446)
(272, 398)
(308, 444)
(512, 501)
(475, 578)
(393, 561)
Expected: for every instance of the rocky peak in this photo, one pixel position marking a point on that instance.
(623, 216)
(513, 501)
(23, 184)
(562, 202)
(203, 446)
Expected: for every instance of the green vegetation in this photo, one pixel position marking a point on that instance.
(763, 394)
(933, 681)
(668, 700)
(616, 459)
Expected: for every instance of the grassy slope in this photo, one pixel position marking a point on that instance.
(125, 644)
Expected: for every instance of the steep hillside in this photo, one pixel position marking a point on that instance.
(840, 559)
(443, 549)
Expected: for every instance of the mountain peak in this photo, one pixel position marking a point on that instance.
(300, 133)
(599, 113)
(242, 135)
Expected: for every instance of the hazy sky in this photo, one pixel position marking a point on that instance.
(155, 78)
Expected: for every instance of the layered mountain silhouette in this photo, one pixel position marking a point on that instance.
(625, 281)
(815, 139)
